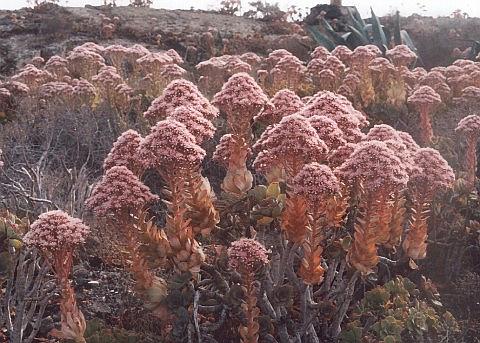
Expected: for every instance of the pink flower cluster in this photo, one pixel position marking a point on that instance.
(432, 175)
(363, 55)
(291, 142)
(119, 192)
(247, 255)
(56, 230)
(32, 76)
(125, 152)
(241, 95)
(316, 182)
(328, 131)
(343, 53)
(200, 127)
(107, 78)
(424, 99)
(58, 66)
(401, 55)
(375, 165)
(469, 126)
(285, 102)
(55, 89)
(320, 53)
(339, 109)
(180, 93)
(338, 156)
(171, 147)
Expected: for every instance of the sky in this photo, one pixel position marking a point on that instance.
(381, 7)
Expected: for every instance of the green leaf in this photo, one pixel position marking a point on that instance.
(359, 25)
(378, 34)
(396, 32)
(320, 38)
(356, 38)
(273, 190)
(337, 38)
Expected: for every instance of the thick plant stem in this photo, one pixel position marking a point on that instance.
(143, 276)
(415, 245)
(249, 333)
(471, 161)
(363, 253)
(73, 321)
(426, 131)
(238, 179)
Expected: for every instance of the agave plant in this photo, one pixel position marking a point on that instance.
(360, 33)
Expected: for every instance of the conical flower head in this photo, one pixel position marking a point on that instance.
(382, 133)
(328, 131)
(56, 230)
(432, 175)
(125, 152)
(119, 192)
(241, 95)
(376, 166)
(316, 183)
(469, 126)
(200, 127)
(285, 102)
(180, 93)
(247, 255)
(291, 143)
(170, 147)
(424, 98)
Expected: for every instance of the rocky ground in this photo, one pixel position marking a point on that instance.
(52, 30)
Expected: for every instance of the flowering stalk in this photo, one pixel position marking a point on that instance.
(470, 128)
(326, 208)
(241, 98)
(120, 197)
(173, 152)
(432, 176)
(425, 99)
(375, 173)
(56, 235)
(248, 257)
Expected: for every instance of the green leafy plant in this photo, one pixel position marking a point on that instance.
(395, 312)
(360, 33)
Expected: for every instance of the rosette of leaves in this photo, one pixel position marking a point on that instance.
(269, 202)
(395, 312)
(356, 32)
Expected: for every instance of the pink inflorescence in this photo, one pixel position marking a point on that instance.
(338, 156)
(247, 255)
(180, 93)
(328, 131)
(432, 175)
(56, 230)
(125, 151)
(240, 94)
(292, 141)
(285, 102)
(171, 147)
(469, 126)
(375, 165)
(401, 55)
(408, 141)
(382, 132)
(316, 182)
(424, 98)
(119, 192)
(200, 127)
